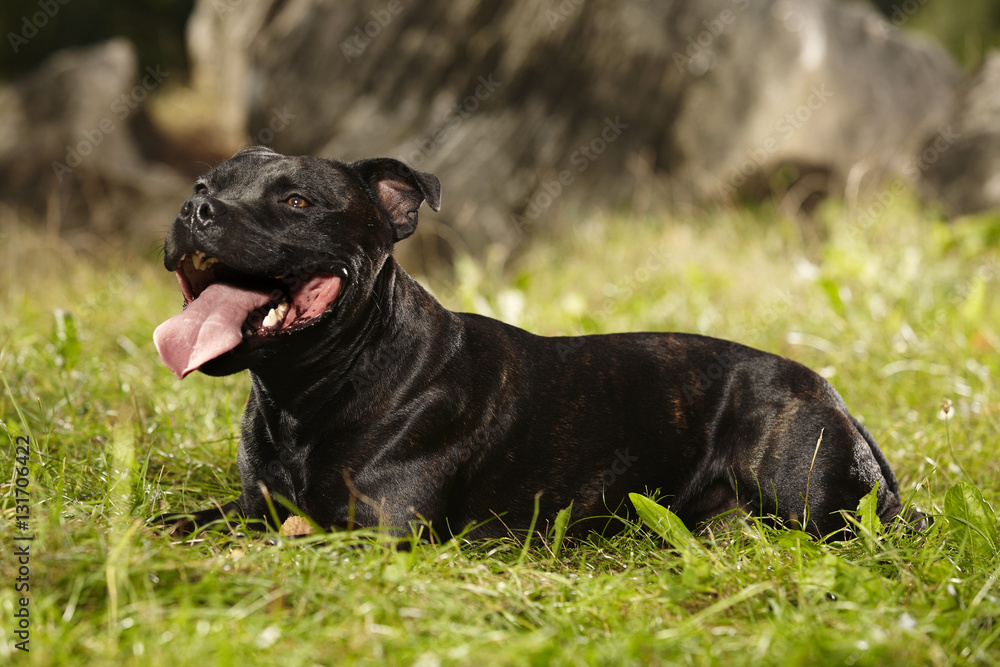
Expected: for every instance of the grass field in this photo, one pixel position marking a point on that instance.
(899, 311)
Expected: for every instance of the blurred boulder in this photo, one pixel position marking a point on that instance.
(520, 107)
(960, 164)
(828, 91)
(67, 152)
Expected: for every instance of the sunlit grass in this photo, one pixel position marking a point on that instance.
(900, 313)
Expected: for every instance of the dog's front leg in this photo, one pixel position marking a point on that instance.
(180, 525)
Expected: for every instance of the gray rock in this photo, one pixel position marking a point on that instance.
(960, 164)
(522, 107)
(67, 152)
(826, 86)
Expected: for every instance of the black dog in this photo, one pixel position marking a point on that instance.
(373, 405)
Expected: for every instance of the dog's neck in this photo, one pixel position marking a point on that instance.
(342, 382)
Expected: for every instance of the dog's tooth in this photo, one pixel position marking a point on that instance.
(201, 261)
(276, 315)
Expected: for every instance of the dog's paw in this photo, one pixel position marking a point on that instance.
(181, 525)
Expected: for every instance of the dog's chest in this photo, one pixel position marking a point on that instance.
(295, 444)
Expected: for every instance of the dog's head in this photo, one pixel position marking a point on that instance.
(270, 246)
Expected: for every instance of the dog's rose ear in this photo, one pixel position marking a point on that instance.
(400, 190)
(255, 150)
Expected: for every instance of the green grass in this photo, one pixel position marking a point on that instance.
(900, 314)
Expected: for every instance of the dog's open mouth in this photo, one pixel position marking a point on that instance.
(224, 306)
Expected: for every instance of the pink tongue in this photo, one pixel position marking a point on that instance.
(209, 326)
(314, 297)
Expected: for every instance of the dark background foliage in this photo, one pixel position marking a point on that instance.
(155, 26)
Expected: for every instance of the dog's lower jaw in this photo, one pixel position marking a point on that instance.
(226, 364)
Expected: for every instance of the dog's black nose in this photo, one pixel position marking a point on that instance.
(201, 210)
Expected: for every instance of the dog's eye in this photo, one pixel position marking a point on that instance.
(201, 189)
(297, 201)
